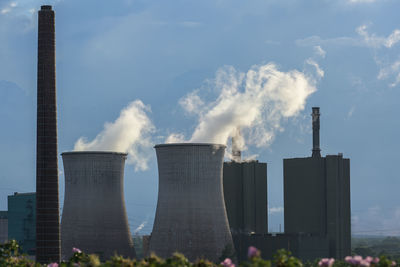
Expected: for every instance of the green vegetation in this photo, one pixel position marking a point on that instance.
(10, 256)
(376, 246)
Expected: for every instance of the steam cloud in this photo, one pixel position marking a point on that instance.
(140, 227)
(130, 133)
(255, 102)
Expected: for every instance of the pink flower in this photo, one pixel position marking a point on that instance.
(369, 259)
(364, 263)
(76, 250)
(326, 262)
(227, 263)
(393, 263)
(375, 260)
(54, 264)
(253, 252)
(349, 259)
(357, 260)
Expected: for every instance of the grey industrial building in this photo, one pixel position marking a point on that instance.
(317, 196)
(316, 204)
(245, 193)
(94, 217)
(190, 216)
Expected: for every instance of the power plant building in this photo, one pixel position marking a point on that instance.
(316, 204)
(190, 216)
(94, 217)
(317, 196)
(245, 192)
(22, 221)
(317, 200)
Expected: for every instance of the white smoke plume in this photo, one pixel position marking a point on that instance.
(140, 227)
(256, 102)
(130, 133)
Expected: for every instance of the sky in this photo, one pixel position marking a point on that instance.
(136, 73)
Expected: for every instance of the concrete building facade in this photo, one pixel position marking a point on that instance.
(47, 209)
(94, 217)
(245, 193)
(190, 216)
(22, 220)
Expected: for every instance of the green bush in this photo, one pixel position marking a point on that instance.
(10, 255)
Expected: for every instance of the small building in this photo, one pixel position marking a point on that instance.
(22, 220)
(3, 227)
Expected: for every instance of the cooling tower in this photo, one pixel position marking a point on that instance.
(94, 217)
(190, 216)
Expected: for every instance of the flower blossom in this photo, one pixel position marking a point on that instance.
(54, 264)
(227, 263)
(76, 250)
(326, 262)
(253, 252)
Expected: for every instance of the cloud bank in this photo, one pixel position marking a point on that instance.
(256, 102)
(130, 133)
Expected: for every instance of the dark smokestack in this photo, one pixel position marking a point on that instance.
(47, 203)
(316, 151)
(236, 153)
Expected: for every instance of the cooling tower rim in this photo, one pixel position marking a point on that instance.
(190, 144)
(94, 152)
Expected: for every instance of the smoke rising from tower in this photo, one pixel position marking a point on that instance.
(130, 133)
(256, 102)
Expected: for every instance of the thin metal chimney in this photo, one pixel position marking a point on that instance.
(47, 202)
(236, 153)
(316, 151)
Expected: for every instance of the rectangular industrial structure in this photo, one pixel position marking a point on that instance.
(22, 220)
(245, 193)
(317, 200)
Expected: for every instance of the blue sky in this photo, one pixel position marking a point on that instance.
(158, 52)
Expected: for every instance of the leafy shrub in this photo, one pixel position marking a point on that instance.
(10, 255)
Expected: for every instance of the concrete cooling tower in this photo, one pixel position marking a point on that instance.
(190, 216)
(94, 217)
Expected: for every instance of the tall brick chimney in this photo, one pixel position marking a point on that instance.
(47, 202)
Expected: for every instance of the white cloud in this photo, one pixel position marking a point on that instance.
(351, 111)
(338, 41)
(274, 210)
(378, 41)
(361, 1)
(8, 8)
(129, 133)
(319, 51)
(319, 71)
(376, 221)
(191, 24)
